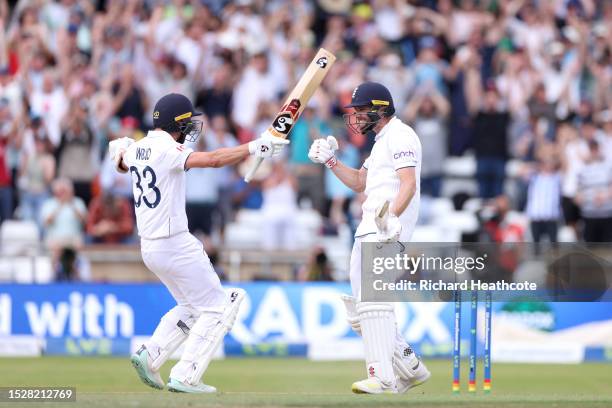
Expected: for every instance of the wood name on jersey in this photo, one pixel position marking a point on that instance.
(143, 154)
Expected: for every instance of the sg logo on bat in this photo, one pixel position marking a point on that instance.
(322, 62)
(284, 120)
(283, 123)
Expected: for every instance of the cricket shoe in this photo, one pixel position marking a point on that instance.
(140, 361)
(420, 375)
(201, 388)
(372, 385)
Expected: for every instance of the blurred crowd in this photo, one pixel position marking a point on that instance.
(492, 79)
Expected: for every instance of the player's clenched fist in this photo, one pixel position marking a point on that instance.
(116, 148)
(324, 151)
(267, 145)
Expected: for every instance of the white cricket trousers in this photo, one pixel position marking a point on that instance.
(355, 265)
(182, 265)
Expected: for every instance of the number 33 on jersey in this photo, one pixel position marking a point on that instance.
(157, 167)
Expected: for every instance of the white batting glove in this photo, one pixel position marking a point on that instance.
(267, 145)
(116, 149)
(388, 225)
(323, 151)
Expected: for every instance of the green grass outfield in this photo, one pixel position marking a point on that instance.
(266, 382)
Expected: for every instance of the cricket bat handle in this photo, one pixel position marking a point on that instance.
(251, 173)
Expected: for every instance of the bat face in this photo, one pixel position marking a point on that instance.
(297, 99)
(286, 118)
(301, 93)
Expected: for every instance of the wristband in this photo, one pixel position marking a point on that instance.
(331, 163)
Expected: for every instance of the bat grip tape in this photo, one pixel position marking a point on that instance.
(249, 176)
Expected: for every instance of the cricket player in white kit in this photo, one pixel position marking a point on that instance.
(391, 173)
(204, 312)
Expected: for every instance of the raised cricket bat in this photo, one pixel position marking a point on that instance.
(297, 99)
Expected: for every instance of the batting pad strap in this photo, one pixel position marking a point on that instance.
(207, 334)
(378, 331)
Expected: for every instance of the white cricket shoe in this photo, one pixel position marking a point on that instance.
(140, 361)
(372, 385)
(421, 375)
(201, 388)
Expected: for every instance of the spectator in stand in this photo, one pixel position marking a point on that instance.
(75, 156)
(72, 267)
(36, 172)
(248, 195)
(572, 152)
(202, 195)
(256, 85)
(429, 69)
(217, 99)
(427, 112)
(279, 208)
(490, 122)
(498, 227)
(309, 176)
(129, 98)
(63, 217)
(594, 195)
(110, 179)
(51, 104)
(465, 64)
(317, 269)
(216, 137)
(11, 90)
(544, 198)
(543, 111)
(109, 220)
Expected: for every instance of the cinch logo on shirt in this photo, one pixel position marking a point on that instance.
(143, 154)
(400, 155)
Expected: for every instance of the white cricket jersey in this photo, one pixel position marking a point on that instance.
(157, 167)
(397, 146)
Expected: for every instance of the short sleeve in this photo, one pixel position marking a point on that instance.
(177, 155)
(405, 149)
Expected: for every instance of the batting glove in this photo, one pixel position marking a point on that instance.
(323, 151)
(267, 145)
(389, 226)
(116, 149)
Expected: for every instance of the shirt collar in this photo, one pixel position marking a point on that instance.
(385, 129)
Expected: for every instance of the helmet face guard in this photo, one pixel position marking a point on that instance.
(189, 130)
(362, 122)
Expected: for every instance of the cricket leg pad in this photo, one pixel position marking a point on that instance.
(378, 330)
